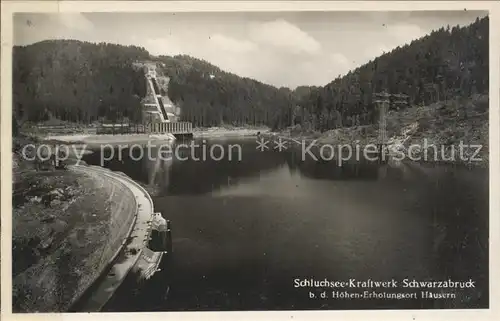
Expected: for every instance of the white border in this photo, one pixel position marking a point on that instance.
(9, 7)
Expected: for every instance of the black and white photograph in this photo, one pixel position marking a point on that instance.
(250, 160)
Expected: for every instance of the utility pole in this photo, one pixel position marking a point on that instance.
(383, 101)
(430, 88)
(442, 87)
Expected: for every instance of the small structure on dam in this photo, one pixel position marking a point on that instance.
(159, 244)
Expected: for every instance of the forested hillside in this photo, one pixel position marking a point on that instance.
(209, 96)
(77, 81)
(80, 82)
(447, 63)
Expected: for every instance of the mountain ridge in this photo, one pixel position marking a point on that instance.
(82, 82)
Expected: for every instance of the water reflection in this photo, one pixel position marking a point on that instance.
(198, 176)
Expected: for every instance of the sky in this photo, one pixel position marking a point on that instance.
(279, 48)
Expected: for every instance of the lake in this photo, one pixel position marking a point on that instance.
(245, 229)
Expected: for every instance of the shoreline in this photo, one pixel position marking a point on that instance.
(228, 133)
(410, 132)
(98, 139)
(321, 141)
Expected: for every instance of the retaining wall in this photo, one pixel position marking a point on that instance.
(121, 219)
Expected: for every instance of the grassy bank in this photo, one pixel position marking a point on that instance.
(443, 124)
(60, 229)
(63, 224)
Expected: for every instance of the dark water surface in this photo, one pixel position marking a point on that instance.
(243, 231)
